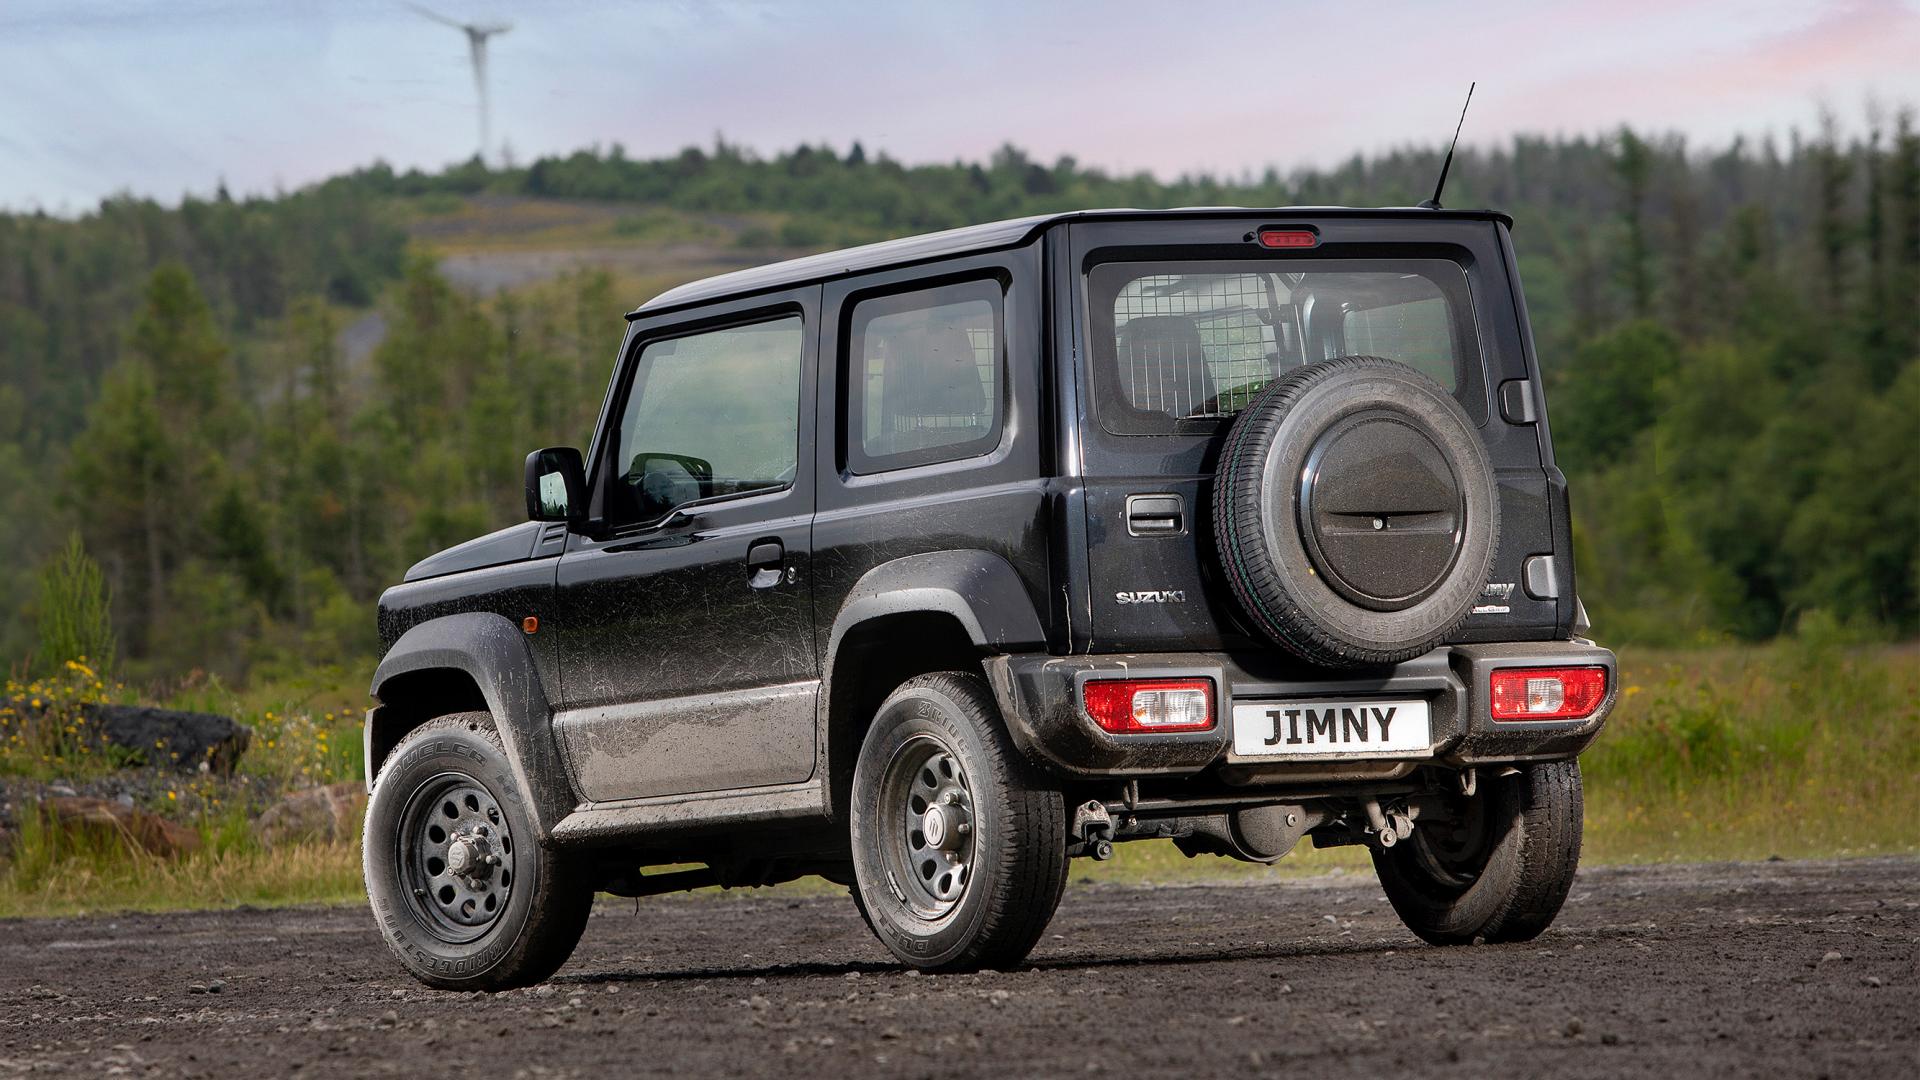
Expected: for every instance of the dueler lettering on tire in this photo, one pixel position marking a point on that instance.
(1355, 512)
(467, 897)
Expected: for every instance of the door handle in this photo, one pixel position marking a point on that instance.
(765, 561)
(1156, 515)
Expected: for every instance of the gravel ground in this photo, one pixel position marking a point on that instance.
(1778, 969)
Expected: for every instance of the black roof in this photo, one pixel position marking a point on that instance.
(975, 238)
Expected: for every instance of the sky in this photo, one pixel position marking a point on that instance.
(161, 99)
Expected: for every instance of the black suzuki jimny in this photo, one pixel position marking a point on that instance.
(928, 566)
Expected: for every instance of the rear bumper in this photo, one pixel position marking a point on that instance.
(1040, 696)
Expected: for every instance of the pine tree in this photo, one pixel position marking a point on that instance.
(126, 484)
(1903, 272)
(182, 348)
(1635, 169)
(75, 618)
(1832, 172)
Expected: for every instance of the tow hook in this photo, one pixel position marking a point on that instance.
(1093, 831)
(1388, 827)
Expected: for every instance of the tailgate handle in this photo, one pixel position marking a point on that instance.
(1156, 515)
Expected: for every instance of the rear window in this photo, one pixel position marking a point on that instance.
(1183, 346)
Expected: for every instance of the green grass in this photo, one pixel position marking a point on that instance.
(1804, 748)
(306, 730)
(1158, 862)
(54, 872)
(1799, 749)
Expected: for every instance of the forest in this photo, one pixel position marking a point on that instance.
(197, 477)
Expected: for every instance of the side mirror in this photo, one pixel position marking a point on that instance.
(556, 485)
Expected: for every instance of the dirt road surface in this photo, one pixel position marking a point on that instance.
(1774, 969)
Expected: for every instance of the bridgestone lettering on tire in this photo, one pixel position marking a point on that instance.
(1355, 513)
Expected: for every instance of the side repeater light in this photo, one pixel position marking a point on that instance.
(1134, 706)
(1547, 693)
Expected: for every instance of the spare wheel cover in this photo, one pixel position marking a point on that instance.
(1355, 511)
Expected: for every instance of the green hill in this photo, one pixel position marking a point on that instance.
(256, 412)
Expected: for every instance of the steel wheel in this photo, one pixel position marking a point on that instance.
(1498, 866)
(1454, 851)
(926, 816)
(463, 893)
(959, 846)
(456, 856)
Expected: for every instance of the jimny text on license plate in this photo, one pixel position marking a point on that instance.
(1318, 728)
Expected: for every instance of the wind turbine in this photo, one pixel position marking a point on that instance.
(477, 35)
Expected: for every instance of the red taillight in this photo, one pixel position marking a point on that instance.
(1127, 706)
(1288, 238)
(1548, 693)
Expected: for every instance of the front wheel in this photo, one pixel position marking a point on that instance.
(1497, 867)
(465, 896)
(959, 846)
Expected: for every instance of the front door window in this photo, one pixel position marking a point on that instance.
(709, 415)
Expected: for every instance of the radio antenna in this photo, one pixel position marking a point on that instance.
(1434, 203)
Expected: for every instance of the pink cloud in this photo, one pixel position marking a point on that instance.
(1842, 45)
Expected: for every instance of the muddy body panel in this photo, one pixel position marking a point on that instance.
(991, 450)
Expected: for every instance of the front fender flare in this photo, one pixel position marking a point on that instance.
(492, 651)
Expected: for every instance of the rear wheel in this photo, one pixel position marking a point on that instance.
(465, 896)
(1498, 867)
(959, 847)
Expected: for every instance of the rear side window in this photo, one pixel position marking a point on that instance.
(924, 376)
(1182, 347)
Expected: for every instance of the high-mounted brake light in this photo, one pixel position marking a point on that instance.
(1130, 706)
(1548, 693)
(1288, 238)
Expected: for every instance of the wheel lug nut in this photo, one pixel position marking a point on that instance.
(963, 828)
(950, 798)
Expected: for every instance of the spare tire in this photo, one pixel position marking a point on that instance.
(1355, 513)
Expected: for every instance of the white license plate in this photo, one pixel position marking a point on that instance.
(1331, 729)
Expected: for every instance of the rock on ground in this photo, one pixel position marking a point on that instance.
(328, 813)
(121, 820)
(172, 738)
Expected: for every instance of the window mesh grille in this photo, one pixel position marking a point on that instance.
(1195, 345)
(981, 340)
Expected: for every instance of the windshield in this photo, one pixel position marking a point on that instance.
(1182, 346)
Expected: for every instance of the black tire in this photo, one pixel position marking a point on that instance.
(1389, 560)
(1015, 867)
(1504, 876)
(453, 772)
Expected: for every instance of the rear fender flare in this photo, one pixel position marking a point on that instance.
(978, 590)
